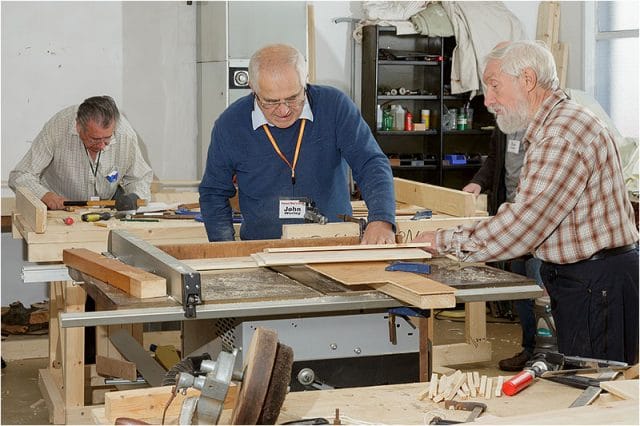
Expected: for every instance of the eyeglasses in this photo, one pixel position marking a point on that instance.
(98, 141)
(292, 102)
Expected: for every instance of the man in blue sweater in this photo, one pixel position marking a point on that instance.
(288, 142)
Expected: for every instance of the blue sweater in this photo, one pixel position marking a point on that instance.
(337, 135)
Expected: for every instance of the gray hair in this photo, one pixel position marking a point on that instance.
(517, 55)
(276, 55)
(100, 109)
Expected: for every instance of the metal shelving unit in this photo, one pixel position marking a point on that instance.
(427, 77)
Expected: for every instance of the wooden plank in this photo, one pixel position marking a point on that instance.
(315, 230)
(437, 198)
(345, 247)
(147, 404)
(115, 368)
(624, 389)
(221, 263)
(52, 395)
(548, 26)
(560, 53)
(411, 288)
(407, 230)
(131, 280)
(73, 349)
(302, 258)
(32, 210)
(245, 248)
(461, 353)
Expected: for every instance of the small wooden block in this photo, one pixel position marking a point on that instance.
(499, 386)
(483, 384)
(487, 391)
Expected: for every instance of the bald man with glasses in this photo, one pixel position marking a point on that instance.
(287, 142)
(84, 151)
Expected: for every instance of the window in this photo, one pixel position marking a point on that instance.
(614, 61)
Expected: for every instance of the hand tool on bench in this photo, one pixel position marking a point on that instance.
(95, 217)
(476, 409)
(98, 203)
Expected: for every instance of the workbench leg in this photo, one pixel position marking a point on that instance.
(425, 328)
(56, 305)
(475, 322)
(73, 350)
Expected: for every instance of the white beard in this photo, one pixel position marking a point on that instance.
(513, 121)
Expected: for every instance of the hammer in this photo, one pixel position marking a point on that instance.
(476, 409)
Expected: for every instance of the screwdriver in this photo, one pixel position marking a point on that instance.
(95, 217)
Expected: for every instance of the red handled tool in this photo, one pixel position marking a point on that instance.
(524, 378)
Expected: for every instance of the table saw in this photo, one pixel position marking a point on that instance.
(327, 323)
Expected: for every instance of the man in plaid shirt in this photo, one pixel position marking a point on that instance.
(571, 208)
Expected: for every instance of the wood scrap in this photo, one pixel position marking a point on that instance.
(345, 247)
(624, 389)
(499, 386)
(32, 210)
(112, 367)
(489, 387)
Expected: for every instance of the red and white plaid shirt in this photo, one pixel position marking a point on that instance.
(571, 200)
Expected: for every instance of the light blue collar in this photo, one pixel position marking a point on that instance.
(258, 119)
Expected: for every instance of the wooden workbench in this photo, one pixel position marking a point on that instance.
(543, 402)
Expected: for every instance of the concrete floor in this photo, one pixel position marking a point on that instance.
(22, 402)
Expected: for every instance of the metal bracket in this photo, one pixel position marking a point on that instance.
(182, 280)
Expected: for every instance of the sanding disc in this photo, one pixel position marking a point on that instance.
(278, 386)
(257, 377)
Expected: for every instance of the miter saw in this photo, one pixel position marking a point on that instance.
(263, 385)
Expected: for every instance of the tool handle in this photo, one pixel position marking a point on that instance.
(95, 217)
(518, 382)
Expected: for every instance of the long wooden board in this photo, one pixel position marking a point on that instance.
(625, 389)
(32, 210)
(302, 258)
(246, 248)
(413, 289)
(345, 247)
(438, 198)
(134, 281)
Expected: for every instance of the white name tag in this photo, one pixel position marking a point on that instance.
(292, 209)
(513, 146)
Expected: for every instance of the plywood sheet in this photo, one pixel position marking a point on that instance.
(417, 290)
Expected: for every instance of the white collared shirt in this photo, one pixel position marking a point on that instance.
(258, 119)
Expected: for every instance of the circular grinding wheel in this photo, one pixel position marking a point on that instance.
(280, 378)
(257, 377)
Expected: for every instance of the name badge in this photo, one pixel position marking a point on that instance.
(113, 176)
(292, 209)
(513, 146)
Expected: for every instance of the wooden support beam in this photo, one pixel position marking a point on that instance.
(32, 210)
(131, 280)
(437, 198)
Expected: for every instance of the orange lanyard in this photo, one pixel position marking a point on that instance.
(281, 155)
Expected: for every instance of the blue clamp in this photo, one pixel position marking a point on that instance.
(422, 214)
(415, 267)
